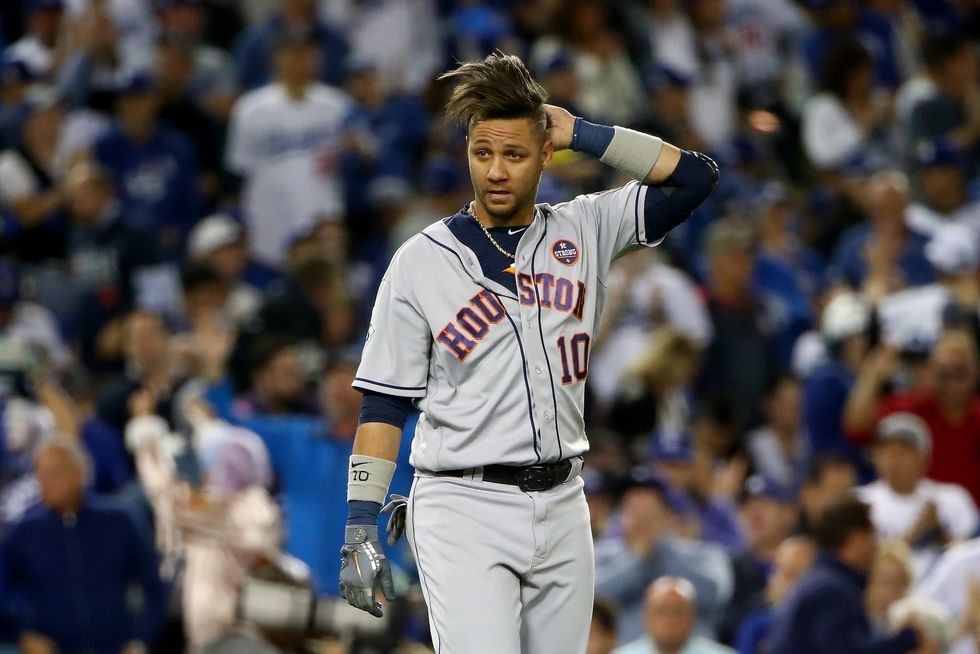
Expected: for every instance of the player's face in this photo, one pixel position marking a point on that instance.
(506, 158)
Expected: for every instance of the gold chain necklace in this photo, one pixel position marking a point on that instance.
(469, 210)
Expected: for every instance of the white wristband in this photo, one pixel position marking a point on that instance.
(368, 478)
(633, 152)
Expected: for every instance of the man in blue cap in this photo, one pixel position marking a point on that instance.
(36, 47)
(154, 166)
(940, 179)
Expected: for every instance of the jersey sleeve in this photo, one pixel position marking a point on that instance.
(617, 217)
(395, 359)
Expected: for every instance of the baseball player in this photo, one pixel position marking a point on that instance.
(483, 322)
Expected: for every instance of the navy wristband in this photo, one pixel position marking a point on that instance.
(591, 138)
(362, 512)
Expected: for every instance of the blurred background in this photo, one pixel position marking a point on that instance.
(198, 199)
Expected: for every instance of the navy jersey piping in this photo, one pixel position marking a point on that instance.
(401, 388)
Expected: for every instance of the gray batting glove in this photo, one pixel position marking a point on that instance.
(363, 568)
(398, 506)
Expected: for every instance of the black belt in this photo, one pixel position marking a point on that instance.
(529, 478)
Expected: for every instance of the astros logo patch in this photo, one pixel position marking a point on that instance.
(565, 251)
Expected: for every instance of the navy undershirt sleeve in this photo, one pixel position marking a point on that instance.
(389, 409)
(671, 202)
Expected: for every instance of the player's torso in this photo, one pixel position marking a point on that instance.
(507, 369)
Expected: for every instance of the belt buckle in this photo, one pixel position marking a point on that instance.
(536, 478)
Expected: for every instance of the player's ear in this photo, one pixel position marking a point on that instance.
(547, 150)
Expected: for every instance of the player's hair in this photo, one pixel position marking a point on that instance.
(500, 86)
(839, 520)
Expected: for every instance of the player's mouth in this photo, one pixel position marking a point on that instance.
(498, 195)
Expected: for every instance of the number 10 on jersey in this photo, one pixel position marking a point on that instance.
(579, 356)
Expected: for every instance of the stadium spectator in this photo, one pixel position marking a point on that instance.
(29, 182)
(793, 557)
(669, 622)
(768, 514)
(825, 612)
(950, 407)
(105, 257)
(340, 404)
(653, 401)
(15, 80)
(953, 583)
(220, 241)
(386, 135)
(254, 49)
(284, 140)
(890, 579)
(398, 37)
(904, 503)
(277, 380)
(843, 125)
(883, 255)
(37, 47)
(844, 331)
(828, 478)
(609, 88)
(29, 324)
(154, 166)
(941, 184)
(644, 549)
(779, 449)
(219, 530)
(646, 297)
(144, 345)
(741, 361)
(207, 73)
(180, 110)
(837, 20)
(72, 560)
(953, 110)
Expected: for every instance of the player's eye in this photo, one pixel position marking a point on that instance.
(481, 153)
(515, 155)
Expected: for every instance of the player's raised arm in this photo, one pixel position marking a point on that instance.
(680, 180)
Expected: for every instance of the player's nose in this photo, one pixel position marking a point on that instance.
(497, 172)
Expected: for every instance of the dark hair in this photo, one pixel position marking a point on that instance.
(605, 613)
(839, 520)
(500, 86)
(940, 48)
(840, 63)
(818, 467)
(196, 274)
(264, 349)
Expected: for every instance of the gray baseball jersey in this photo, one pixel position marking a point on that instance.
(499, 377)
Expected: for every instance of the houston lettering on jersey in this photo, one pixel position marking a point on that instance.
(484, 309)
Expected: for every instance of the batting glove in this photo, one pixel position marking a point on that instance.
(363, 568)
(398, 507)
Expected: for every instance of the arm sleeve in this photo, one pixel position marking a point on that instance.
(669, 204)
(389, 409)
(395, 359)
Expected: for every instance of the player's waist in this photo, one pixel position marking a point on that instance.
(539, 477)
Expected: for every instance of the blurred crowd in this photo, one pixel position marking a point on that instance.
(198, 199)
